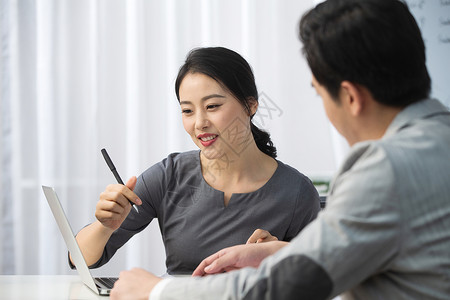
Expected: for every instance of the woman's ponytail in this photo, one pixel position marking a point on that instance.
(263, 141)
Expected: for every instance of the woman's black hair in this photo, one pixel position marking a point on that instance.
(232, 72)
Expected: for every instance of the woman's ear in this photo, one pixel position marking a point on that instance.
(252, 105)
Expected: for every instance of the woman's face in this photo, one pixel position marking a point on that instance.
(216, 121)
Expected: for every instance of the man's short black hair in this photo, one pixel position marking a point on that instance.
(375, 43)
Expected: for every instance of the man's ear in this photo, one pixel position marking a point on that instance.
(252, 105)
(354, 97)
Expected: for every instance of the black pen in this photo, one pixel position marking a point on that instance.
(114, 171)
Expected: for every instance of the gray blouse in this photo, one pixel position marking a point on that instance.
(193, 219)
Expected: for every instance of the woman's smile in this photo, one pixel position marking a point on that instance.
(207, 139)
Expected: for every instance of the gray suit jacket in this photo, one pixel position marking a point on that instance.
(385, 233)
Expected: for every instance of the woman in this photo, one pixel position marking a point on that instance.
(229, 192)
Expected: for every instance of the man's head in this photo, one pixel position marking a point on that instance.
(373, 43)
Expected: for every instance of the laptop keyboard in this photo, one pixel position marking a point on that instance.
(107, 281)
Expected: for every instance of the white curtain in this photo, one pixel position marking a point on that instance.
(81, 75)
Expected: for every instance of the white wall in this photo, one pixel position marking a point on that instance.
(433, 17)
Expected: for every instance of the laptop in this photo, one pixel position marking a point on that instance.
(100, 285)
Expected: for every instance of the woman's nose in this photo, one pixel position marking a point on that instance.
(202, 122)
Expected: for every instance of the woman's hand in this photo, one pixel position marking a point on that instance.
(261, 236)
(114, 206)
(237, 257)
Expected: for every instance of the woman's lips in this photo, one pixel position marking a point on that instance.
(207, 139)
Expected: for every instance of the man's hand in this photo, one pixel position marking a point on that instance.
(237, 257)
(135, 284)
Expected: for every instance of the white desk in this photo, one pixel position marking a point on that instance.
(48, 287)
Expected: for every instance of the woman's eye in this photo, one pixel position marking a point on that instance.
(212, 106)
(186, 111)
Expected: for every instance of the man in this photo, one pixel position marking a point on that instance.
(385, 233)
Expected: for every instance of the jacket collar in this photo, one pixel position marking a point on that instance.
(414, 112)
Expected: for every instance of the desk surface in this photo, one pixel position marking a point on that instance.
(48, 287)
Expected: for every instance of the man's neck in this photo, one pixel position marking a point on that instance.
(374, 122)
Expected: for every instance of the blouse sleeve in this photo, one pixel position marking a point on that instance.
(306, 208)
(150, 188)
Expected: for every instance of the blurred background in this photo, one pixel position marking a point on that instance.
(77, 76)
